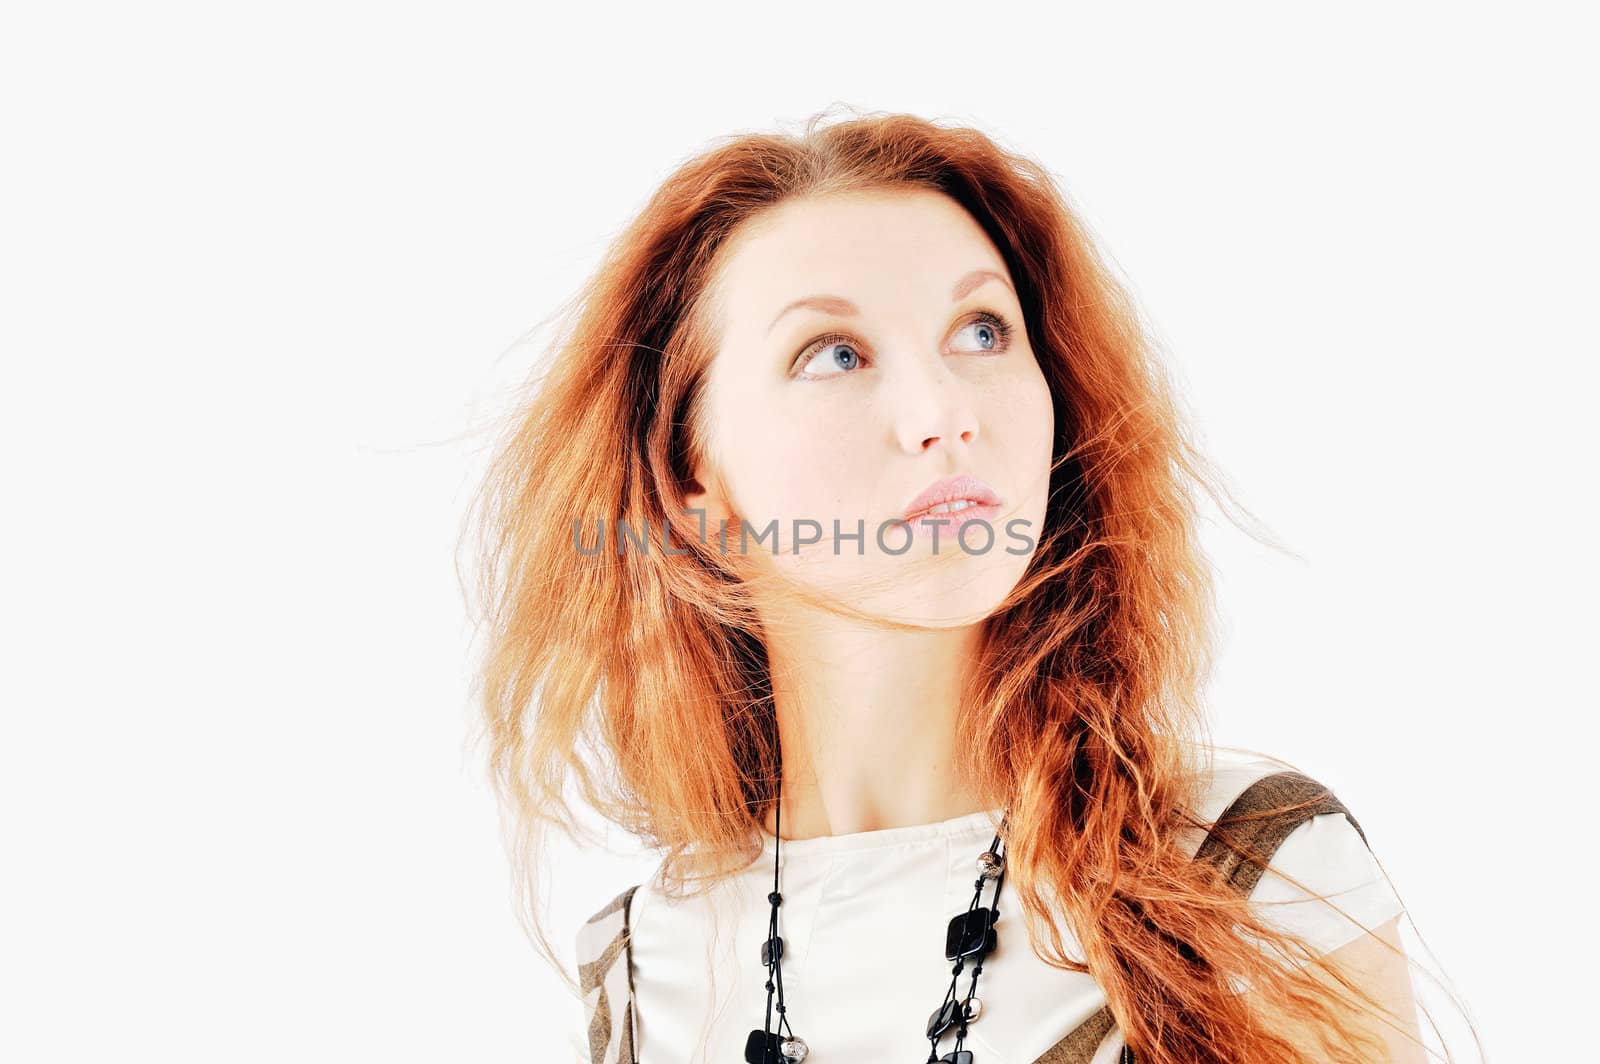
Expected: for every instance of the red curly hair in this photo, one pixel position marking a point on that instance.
(598, 666)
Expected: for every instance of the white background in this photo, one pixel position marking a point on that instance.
(265, 269)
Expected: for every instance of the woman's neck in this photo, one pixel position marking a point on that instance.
(866, 719)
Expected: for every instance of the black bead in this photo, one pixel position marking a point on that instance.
(942, 1019)
(762, 1048)
(775, 898)
(770, 948)
(970, 933)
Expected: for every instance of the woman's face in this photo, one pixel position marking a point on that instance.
(870, 345)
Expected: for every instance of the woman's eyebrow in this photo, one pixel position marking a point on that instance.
(844, 308)
(972, 280)
(827, 304)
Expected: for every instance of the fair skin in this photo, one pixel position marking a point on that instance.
(1377, 963)
(916, 386)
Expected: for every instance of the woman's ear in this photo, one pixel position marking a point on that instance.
(706, 493)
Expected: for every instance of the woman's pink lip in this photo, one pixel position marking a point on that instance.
(949, 489)
(950, 523)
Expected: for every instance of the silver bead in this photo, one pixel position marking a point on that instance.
(793, 1050)
(989, 864)
(974, 1009)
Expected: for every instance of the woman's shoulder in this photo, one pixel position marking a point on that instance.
(599, 937)
(1221, 774)
(1322, 879)
(639, 906)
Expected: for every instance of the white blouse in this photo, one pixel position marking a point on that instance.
(863, 923)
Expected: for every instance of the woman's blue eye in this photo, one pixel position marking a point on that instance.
(836, 354)
(842, 356)
(993, 332)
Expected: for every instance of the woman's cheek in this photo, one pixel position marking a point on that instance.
(779, 468)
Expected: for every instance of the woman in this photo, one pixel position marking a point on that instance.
(907, 695)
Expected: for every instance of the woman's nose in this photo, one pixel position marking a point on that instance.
(932, 406)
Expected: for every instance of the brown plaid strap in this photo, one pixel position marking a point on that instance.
(1079, 1045)
(1240, 843)
(603, 940)
(1247, 834)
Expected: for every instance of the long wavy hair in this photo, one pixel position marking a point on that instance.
(639, 681)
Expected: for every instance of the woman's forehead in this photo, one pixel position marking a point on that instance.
(852, 247)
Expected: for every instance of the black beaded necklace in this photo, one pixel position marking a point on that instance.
(969, 935)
